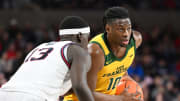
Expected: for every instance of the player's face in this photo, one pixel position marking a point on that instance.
(121, 31)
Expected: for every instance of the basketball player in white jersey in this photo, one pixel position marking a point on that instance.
(51, 69)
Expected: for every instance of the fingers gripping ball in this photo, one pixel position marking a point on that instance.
(132, 87)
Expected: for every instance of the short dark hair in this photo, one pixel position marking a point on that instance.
(114, 13)
(70, 22)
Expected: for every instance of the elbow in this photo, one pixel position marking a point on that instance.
(78, 86)
(80, 91)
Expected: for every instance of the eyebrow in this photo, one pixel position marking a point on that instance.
(129, 25)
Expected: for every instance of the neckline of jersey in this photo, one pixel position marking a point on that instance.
(104, 36)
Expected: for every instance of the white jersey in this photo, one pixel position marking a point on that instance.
(44, 73)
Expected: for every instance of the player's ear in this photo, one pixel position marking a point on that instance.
(107, 28)
(79, 37)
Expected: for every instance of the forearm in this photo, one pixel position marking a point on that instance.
(83, 93)
(105, 97)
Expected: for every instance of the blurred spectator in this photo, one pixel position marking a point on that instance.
(6, 65)
(19, 41)
(11, 52)
(178, 67)
(29, 33)
(29, 46)
(159, 94)
(145, 85)
(177, 45)
(2, 79)
(157, 90)
(13, 28)
(1, 39)
(17, 61)
(44, 34)
(5, 41)
(154, 36)
(178, 97)
(148, 62)
(169, 92)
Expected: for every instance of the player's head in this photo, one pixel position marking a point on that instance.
(74, 28)
(118, 25)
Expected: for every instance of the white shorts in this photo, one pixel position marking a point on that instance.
(18, 96)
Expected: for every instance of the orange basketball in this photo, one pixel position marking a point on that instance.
(133, 87)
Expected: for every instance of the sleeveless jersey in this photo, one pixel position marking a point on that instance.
(44, 73)
(114, 68)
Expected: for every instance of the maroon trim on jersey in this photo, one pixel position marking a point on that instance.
(63, 57)
(62, 54)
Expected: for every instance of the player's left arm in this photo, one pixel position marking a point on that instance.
(80, 64)
(138, 38)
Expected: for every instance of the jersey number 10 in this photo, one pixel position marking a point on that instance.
(113, 83)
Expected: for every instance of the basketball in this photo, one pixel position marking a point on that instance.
(133, 87)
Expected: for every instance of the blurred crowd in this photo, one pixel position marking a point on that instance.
(89, 4)
(16, 42)
(156, 67)
(157, 64)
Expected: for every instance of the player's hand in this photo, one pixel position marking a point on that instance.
(126, 78)
(126, 96)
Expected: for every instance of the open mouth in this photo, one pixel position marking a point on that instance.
(125, 42)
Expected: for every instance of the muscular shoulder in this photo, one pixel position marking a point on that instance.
(94, 49)
(97, 54)
(75, 51)
(138, 38)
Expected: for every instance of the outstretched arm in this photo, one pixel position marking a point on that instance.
(80, 64)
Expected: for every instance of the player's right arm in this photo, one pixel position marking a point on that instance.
(80, 64)
(97, 58)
